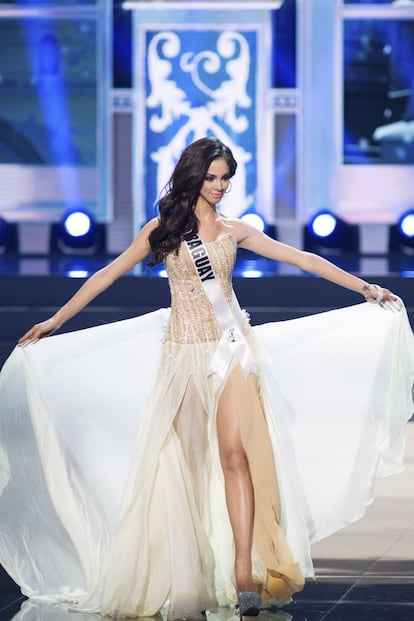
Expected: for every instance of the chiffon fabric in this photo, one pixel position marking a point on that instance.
(112, 494)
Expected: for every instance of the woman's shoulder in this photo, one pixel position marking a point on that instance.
(152, 224)
(236, 227)
(147, 228)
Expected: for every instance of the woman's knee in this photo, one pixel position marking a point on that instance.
(234, 459)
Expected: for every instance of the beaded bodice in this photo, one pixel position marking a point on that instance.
(192, 317)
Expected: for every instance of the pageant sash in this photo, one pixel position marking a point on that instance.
(230, 317)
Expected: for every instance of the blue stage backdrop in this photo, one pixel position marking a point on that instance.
(195, 87)
(195, 77)
(52, 111)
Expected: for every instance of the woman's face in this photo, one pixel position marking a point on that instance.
(216, 182)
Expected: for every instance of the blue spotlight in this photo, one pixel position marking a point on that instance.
(323, 224)
(78, 234)
(401, 243)
(78, 273)
(327, 234)
(255, 220)
(251, 273)
(406, 224)
(77, 223)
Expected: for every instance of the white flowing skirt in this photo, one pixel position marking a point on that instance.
(97, 507)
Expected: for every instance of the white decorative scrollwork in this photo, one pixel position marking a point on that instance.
(164, 93)
(211, 102)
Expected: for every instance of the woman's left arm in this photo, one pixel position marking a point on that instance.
(258, 242)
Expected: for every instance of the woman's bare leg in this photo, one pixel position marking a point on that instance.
(238, 484)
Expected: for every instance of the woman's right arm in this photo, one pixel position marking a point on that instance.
(98, 282)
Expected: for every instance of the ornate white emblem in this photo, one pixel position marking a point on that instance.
(215, 101)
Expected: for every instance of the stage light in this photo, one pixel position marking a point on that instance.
(78, 223)
(8, 237)
(323, 224)
(255, 220)
(401, 241)
(77, 273)
(78, 234)
(406, 224)
(327, 234)
(251, 273)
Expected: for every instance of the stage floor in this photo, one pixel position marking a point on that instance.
(364, 573)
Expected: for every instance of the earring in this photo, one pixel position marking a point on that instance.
(228, 189)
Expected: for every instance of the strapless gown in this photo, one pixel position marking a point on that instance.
(111, 490)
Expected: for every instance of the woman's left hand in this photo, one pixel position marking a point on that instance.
(384, 297)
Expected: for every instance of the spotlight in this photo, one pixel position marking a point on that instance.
(255, 220)
(251, 273)
(77, 234)
(77, 273)
(401, 242)
(8, 237)
(77, 223)
(406, 225)
(323, 224)
(327, 234)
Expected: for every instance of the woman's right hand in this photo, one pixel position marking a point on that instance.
(38, 331)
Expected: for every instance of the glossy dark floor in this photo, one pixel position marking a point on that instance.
(364, 573)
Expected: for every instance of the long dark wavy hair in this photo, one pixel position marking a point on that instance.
(177, 220)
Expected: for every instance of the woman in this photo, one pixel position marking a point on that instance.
(210, 467)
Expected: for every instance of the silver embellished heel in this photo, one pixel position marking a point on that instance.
(249, 603)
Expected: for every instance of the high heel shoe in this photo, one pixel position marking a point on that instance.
(249, 603)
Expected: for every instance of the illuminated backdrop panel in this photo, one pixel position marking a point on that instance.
(356, 122)
(197, 75)
(52, 130)
(195, 87)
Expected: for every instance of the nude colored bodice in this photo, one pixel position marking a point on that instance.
(192, 316)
